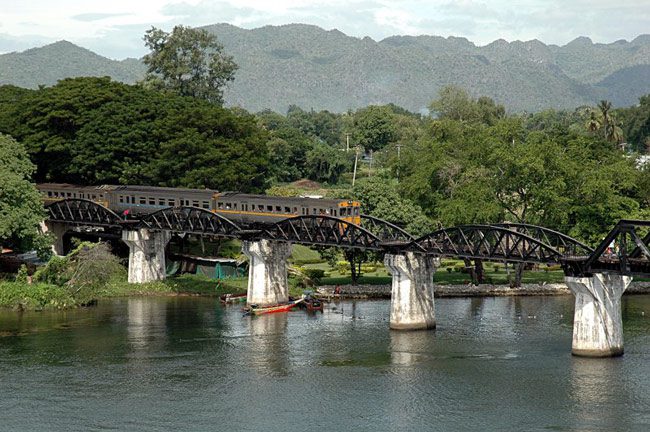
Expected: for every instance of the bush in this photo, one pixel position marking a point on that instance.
(83, 272)
(35, 296)
(314, 274)
(449, 269)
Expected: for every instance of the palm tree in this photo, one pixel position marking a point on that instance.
(601, 119)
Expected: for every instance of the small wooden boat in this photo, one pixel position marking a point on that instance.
(314, 305)
(284, 307)
(232, 298)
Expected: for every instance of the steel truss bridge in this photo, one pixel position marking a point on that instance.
(508, 242)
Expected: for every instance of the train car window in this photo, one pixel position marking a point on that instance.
(152, 201)
(234, 206)
(356, 211)
(195, 203)
(269, 208)
(314, 211)
(121, 198)
(161, 201)
(260, 207)
(278, 209)
(206, 204)
(227, 206)
(295, 210)
(219, 205)
(170, 202)
(333, 212)
(49, 193)
(143, 200)
(287, 209)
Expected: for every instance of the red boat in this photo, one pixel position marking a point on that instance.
(314, 305)
(284, 307)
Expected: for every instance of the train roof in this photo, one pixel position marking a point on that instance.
(162, 190)
(295, 200)
(125, 188)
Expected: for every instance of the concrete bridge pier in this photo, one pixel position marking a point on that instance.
(57, 230)
(412, 305)
(146, 254)
(597, 322)
(267, 272)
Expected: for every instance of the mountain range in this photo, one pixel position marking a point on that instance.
(317, 69)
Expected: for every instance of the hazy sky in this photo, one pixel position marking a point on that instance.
(114, 28)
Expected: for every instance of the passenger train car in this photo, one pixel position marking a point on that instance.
(243, 209)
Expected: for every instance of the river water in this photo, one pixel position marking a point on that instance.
(167, 364)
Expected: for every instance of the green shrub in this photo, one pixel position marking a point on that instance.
(449, 269)
(21, 276)
(314, 274)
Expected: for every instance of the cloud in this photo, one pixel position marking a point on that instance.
(116, 28)
(89, 17)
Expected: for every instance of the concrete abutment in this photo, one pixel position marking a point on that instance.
(597, 321)
(412, 303)
(267, 272)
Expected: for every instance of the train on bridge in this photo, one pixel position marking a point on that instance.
(244, 209)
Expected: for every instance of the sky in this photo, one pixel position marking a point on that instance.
(114, 28)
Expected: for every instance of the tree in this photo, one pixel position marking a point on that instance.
(603, 122)
(374, 127)
(326, 164)
(95, 131)
(21, 207)
(188, 62)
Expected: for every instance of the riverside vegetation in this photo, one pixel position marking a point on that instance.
(470, 160)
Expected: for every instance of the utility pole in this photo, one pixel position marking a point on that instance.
(399, 146)
(370, 167)
(347, 142)
(356, 158)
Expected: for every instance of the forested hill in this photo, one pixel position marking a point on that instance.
(314, 68)
(48, 64)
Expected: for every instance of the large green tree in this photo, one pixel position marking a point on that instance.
(21, 207)
(188, 62)
(373, 127)
(94, 130)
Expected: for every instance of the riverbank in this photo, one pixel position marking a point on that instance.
(482, 290)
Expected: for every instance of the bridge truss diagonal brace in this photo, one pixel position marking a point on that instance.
(146, 254)
(267, 272)
(412, 304)
(597, 322)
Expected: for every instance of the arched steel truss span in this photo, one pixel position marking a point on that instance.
(77, 211)
(190, 220)
(487, 242)
(567, 246)
(385, 230)
(322, 231)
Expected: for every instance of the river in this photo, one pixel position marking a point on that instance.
(178, 363)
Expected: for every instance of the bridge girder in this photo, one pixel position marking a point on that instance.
(190, 220)
(566, 245)
(319, 230)
(487, 242)
(386, 231)
(78, 211)
(630, 257)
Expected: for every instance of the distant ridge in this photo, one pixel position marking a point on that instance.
(50, 63)
(314, 68)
